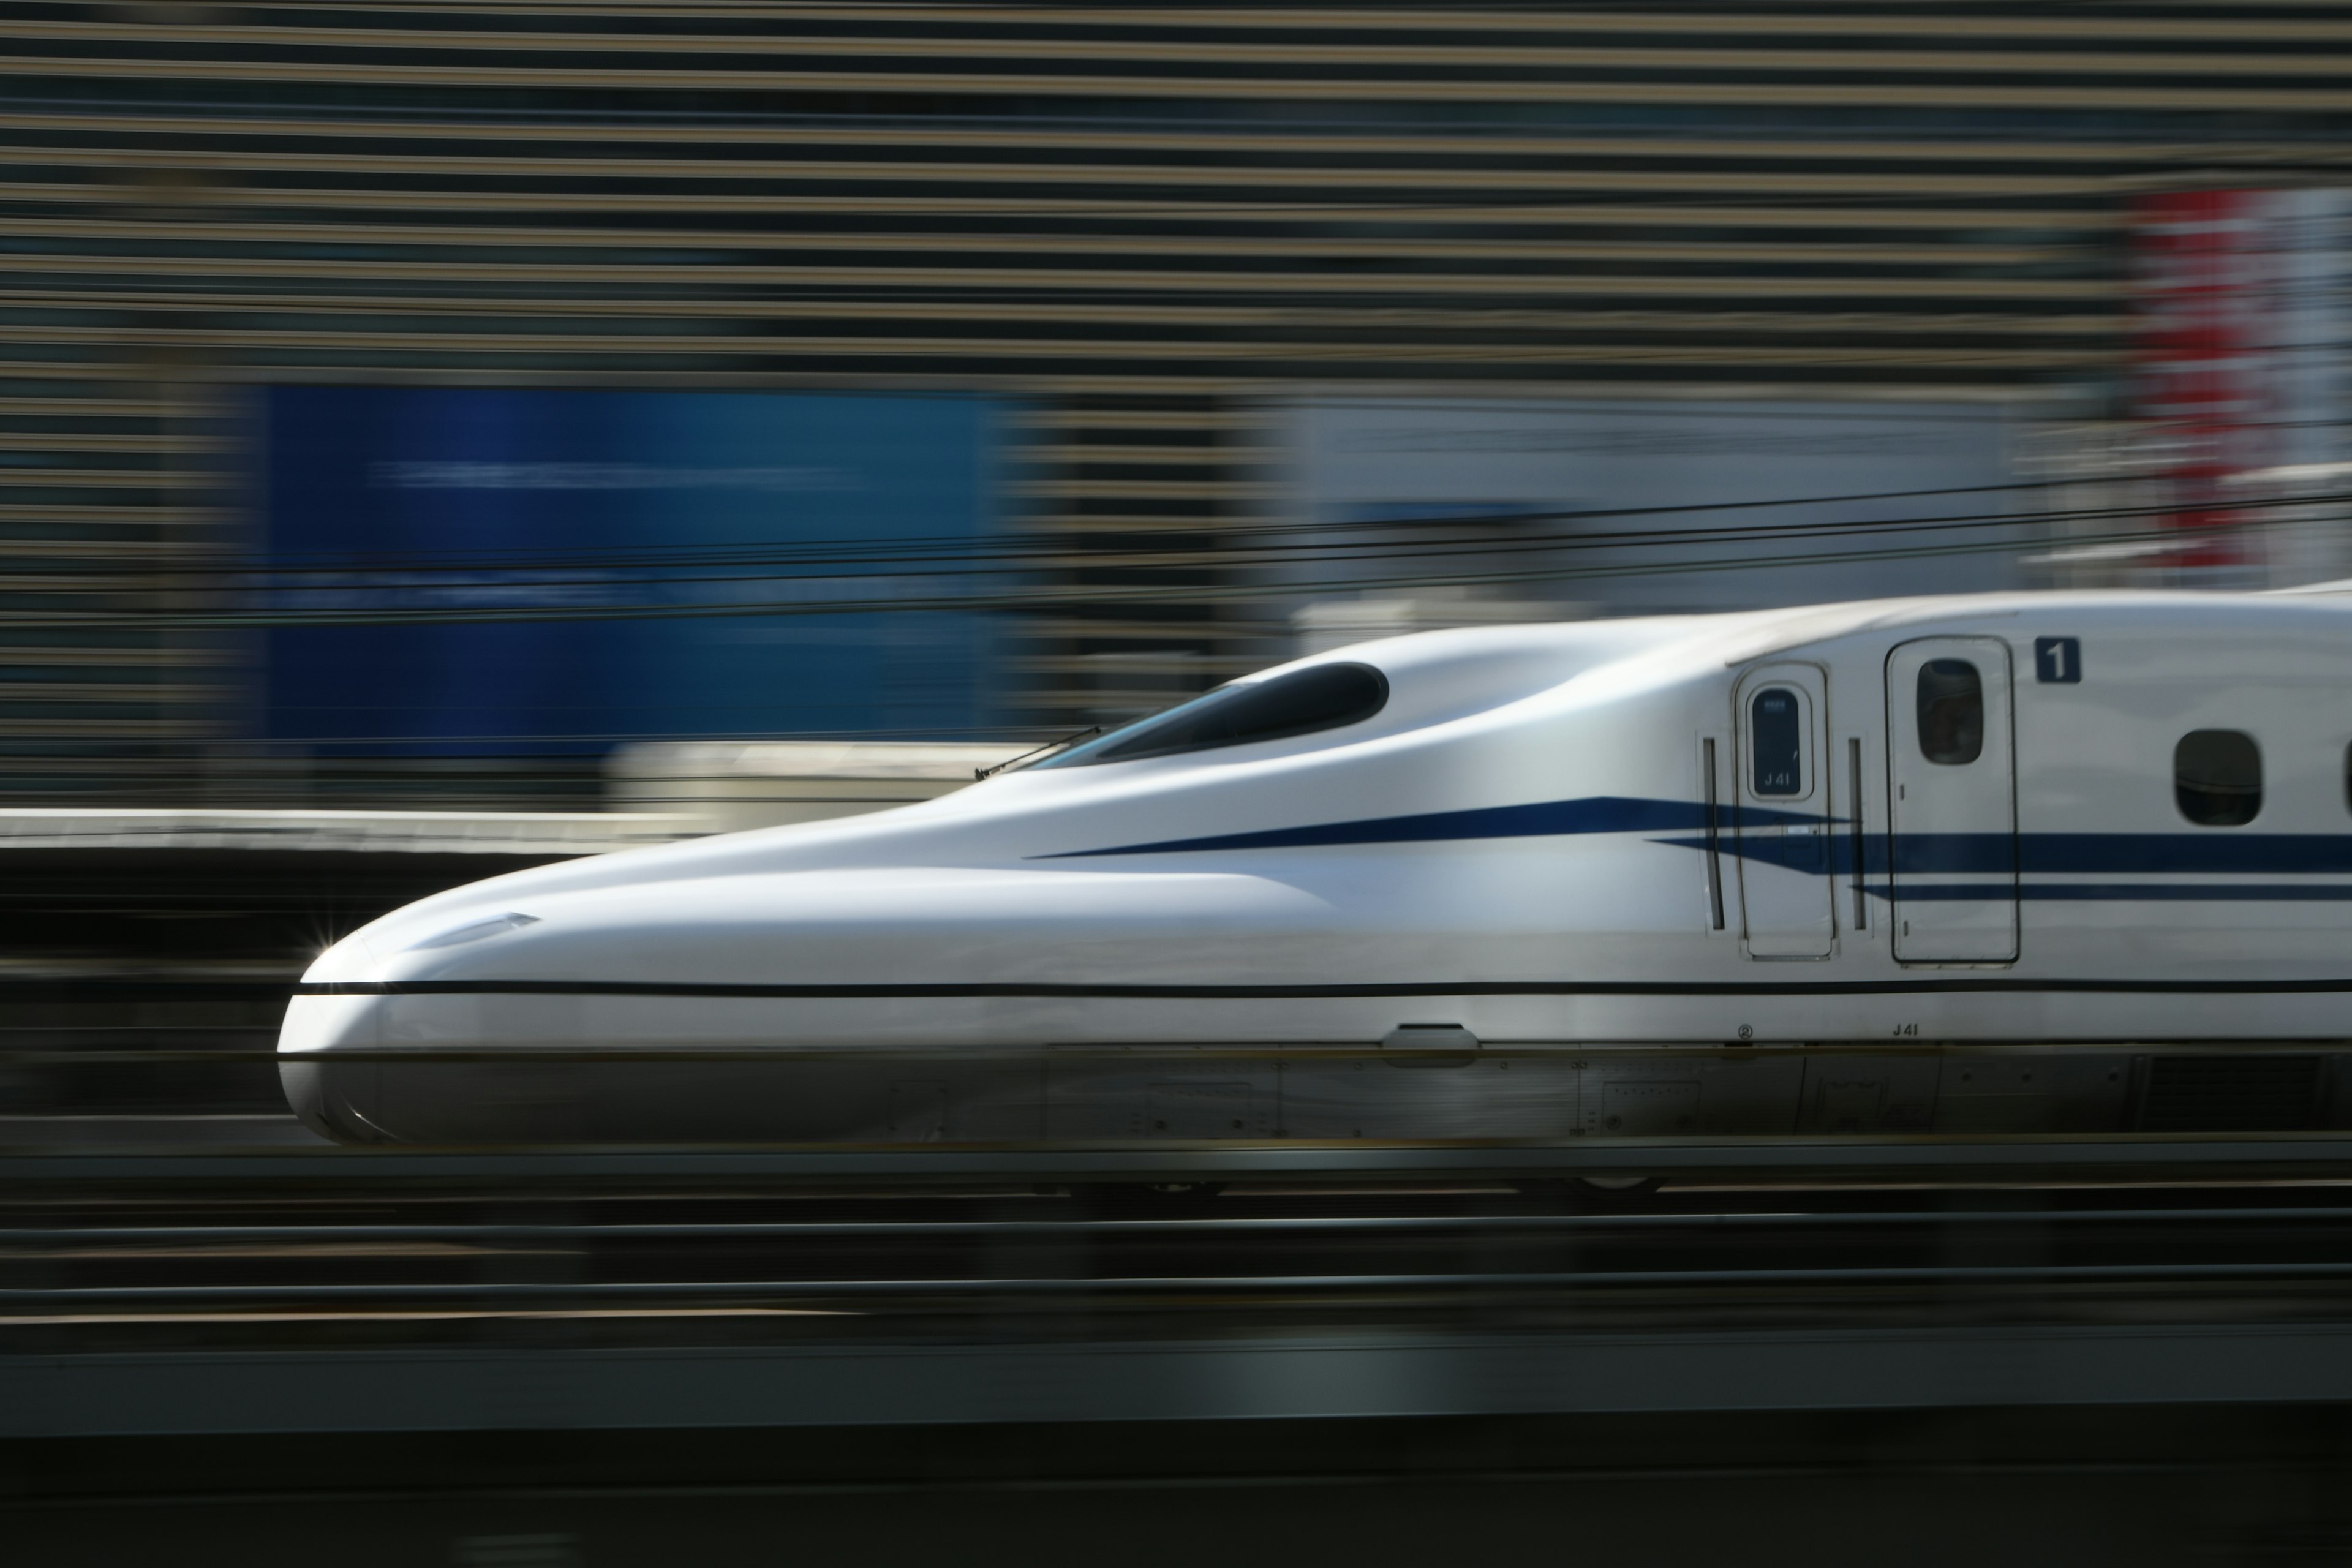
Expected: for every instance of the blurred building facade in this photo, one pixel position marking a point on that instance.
(1198, 260)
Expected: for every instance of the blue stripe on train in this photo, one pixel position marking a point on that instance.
(2049, 853)
(2099, 892)
(1831, 851)
(1594, 814)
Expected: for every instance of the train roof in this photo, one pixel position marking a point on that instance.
(1739, 636)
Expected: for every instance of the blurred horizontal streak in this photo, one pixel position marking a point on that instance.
(921, 210)
(129, 406)
(1216, 488)
(157, 445)
(1408, 72)
(529, 238)
(222, 137)
(1080, 451)
(312, 585)
(1322, 1053)
(138, 691)
(602, 179)
(1314, 541)
(1021, 736)
(1222, 667)
(313, 582)
(1017, 350)
(411, 1315)
(93, 553)
(2295, 85)
(1201, 424)
(1013, 32)
(1375, 39)
(304, 1249)
(887, 279)
(1595, 17)
(1351, 317)
(1092, 594)
(1403, 310)
(2195, 1159)
(27, 477)
(959, 189)
(1147, 630)
(620, 370)
(1344, 1377)
(125, 657)
(146, 730)
(189, 519)
(855, 592)
(1177, 1226)
(1594, 1279)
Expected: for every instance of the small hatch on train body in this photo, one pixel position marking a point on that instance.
(1429, 1038)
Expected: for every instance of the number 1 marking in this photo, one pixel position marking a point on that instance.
(2058, 661)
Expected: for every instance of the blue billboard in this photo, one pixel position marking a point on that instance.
(457, 569)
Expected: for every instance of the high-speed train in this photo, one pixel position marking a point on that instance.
(2022, 863)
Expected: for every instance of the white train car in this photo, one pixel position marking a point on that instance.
(2001, 863)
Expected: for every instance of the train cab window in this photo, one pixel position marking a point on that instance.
(1776, 731)
(1320, 697)
(2217, 777)
(1951, 711)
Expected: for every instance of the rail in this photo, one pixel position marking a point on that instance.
(2110, 1157)
(451, 1306)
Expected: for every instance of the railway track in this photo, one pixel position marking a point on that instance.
(592, 1300)
(842, 1263)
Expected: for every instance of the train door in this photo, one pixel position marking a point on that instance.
(1952, 801)
(1782, 824)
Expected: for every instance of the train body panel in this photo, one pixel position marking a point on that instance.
(1959, 821)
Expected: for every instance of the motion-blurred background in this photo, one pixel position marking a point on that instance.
(456, 406)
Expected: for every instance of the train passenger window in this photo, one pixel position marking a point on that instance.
(1320, 697)
(1776, 729)
(1951, 711)
(2217, 777)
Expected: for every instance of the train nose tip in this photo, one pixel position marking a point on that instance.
(334, 1095)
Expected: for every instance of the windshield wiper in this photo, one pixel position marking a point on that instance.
(1037, 752)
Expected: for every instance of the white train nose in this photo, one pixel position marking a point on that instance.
(335, 1096)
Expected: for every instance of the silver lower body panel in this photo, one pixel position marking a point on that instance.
(1148, 1095)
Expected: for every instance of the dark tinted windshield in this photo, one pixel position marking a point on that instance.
(1321, 697)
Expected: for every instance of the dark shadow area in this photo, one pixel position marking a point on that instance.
(2122, 1485)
